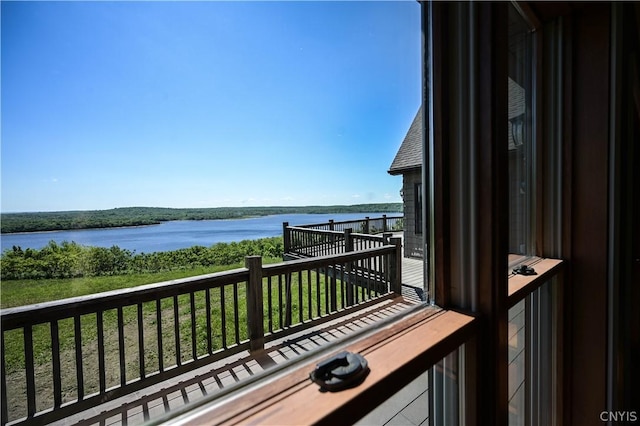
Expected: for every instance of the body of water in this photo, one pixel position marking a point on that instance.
(177, 234)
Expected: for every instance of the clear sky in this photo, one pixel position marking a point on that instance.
(205, 104)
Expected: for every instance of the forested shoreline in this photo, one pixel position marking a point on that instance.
(139, 216)
(72, 260)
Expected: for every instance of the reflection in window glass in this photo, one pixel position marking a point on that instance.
(520, 138)
(531, 358)
(516, 336)
(411, 405)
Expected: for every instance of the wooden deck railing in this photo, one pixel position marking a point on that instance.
(61, 357)
(321, 239)
(300, 242)
(367, 225)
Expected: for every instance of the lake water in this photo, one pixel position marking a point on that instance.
(177, 234)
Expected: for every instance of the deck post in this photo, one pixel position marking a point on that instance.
(366, 225)
(331, 224)
(384, 223)
(396, 266)
(348, 240)
(255, 314)
(385, 238)
(286, 237)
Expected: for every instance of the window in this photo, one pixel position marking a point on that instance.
(480, 196)
(532, 317)
(520, 138)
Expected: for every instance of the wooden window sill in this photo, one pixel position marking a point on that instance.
(519, 286)
(395, 354)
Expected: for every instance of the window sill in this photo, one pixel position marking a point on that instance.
(395, 355)
(519, 286)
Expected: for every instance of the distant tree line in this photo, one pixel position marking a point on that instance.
(137, 216)
(72, 260)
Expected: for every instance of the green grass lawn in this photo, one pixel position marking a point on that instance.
(27, 292)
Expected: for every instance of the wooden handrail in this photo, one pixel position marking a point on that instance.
(314, 262)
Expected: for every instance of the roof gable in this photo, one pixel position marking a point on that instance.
(409, 155)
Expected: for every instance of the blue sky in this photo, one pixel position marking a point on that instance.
(205, 104)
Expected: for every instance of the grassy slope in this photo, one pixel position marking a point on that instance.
(27, 292)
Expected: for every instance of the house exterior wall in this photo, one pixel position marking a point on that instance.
(412, 239)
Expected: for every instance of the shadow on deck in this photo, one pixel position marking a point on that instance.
(154, 402)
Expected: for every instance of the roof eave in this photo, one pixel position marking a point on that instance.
(403, 170)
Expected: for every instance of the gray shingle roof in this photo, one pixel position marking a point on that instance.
(409, 155)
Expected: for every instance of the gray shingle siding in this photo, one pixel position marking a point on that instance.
(412, 240)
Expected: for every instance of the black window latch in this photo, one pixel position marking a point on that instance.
(342, 371)
(524, 270)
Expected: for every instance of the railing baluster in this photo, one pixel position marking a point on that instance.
(326, 290)
(378, 276)
(176, 330)
(79, 368)
(386, 288)
(223, 316)
(280, 323)
(367, 284)
(55, 361)
(306, 244)
(288, 300)
(343, 285)
(318, 308)
(270, 305)
(192, 305)
(300, 302)
(159, 332)
(309, 295)
(101, 363)
(207, 295)
(123, 365)
(351, 283)
(236, 307)
(29, 370)
(372, 280)
(334, 289)
(361, 278)
(365, 290)
(143, 370)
